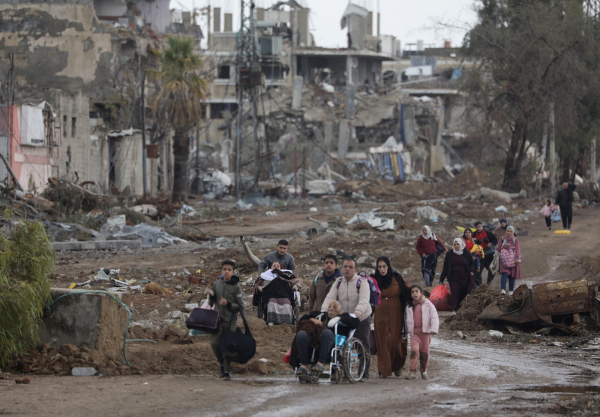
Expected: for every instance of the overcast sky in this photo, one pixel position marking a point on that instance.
(408, 20)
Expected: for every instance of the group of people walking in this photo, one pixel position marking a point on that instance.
(403, 312)
(470, 255)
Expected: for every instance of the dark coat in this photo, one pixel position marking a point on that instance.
(312, 330)
(447, 270)
(569, 197)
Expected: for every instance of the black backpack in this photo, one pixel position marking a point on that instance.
(238, 346)
(492, 237)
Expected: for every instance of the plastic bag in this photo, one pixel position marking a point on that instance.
(288, 356)
(440, 298)
(556, 216)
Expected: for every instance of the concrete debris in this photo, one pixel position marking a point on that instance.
(373, 221)
(271, 213)
(244, 206)
(496, 194)
(105, 274)
(67, 231)
(501, 209)
(186, 210)
(149, 210)
(150, 235)
(428, 212)
(113, 225)
(313, 209)
(496, 334)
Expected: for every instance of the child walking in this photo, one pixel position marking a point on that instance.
(547, 212)
(226, 294)
(422, 322)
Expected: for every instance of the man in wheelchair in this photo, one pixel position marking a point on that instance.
(311, 348)
(323, 338)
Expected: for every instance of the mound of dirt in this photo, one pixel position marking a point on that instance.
(465, 318)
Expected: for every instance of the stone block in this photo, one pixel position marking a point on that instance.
(90, 320)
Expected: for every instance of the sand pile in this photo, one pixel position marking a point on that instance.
(465, 318)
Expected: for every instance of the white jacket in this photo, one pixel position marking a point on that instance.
(352, 300)
(431, 321)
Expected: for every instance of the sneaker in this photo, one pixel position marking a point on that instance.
(424, 375)
(271, 323)
(412, 375)
(226, 376)
(510, 293)
(503, 292)
(222, 372)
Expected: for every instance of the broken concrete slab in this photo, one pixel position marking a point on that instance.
(83, 319)
(497, 194)
(428, 212)
(97, 245)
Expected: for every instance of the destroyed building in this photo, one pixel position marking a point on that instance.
(71, 67)
(321, 105)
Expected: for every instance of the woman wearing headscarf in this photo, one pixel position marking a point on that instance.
(500, 231)
(510, 260)
(459, 268)
(429, 248)
(389, 319)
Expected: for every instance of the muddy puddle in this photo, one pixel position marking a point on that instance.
(562, 389)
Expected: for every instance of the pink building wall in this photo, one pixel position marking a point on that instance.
(31, 164)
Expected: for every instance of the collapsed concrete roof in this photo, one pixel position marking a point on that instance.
(332, 52)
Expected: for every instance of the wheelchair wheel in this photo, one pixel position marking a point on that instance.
(338, 375)
(354, 360)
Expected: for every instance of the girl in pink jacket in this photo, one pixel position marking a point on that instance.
(422, 321)
(547, 211)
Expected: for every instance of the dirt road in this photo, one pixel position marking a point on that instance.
(520, 376)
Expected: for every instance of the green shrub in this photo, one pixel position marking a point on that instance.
(26, 262)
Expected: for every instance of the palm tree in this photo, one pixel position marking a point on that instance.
(178, 101)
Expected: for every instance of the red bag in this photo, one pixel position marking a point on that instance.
(288, 356)
(440, 298)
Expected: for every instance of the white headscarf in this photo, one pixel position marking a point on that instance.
(462, 246)
(505, 241)
(429, 235)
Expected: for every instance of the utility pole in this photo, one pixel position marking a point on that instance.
(249, 78)
(143, 116)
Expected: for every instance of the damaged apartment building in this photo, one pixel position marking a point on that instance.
(70, 98)
(320, 105)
